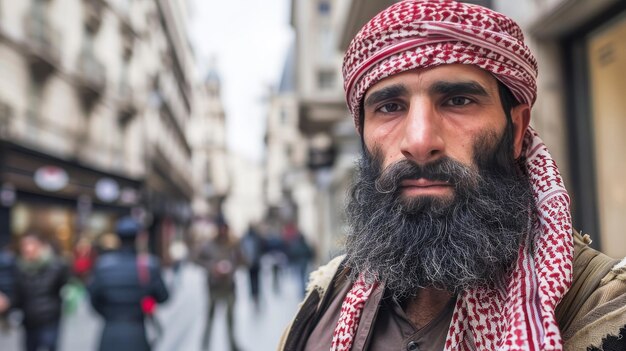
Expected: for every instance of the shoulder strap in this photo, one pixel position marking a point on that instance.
(143, 272)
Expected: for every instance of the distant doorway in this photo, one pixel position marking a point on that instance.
(606, 55)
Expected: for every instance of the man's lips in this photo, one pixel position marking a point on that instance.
(425, 187)
(423, 183)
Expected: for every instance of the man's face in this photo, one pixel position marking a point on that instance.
(426, 115)
(31, 248)
(438, 176)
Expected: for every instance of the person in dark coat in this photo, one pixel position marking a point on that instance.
(7, 282)
(40, 275)
(300, 254)
(7, 272)
(252, 247)
(122, 282)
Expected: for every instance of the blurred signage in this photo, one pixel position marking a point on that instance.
(7, 195)
(321, 158)
(107, 189)
(129, 196)
(84, 204)
(51, 178)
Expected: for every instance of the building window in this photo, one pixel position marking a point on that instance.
(283, 116)
(325, 36)
(88, 41)
(33, 111)
(326, 79)
(327, 48)
(323, 8)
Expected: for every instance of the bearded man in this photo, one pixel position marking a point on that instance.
(460, 230)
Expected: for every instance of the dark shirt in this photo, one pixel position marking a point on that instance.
(383, 326)
(38, 292)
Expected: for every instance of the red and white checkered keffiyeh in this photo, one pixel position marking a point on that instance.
(420, 34)
(417, 34)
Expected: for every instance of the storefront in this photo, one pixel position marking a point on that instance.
(60, 199)
(595, 57)
(167, 199)
(606, 53)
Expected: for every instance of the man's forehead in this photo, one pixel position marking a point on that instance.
(426, 77)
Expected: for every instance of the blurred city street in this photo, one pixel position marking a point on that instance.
(216, 133)
(183, 317)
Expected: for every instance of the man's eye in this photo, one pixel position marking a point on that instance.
(458, 101)
(389, 108)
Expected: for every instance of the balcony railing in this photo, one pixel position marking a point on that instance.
(45, 133)
(91, 77)
(93, 11)
(42, 45)
(127, 108)
(6, 116)
(128, 37)
(104, 155)
(34, 124)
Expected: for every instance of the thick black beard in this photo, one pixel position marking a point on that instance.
(468, 240)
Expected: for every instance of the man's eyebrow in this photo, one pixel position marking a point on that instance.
(454, 88)
(385, 93)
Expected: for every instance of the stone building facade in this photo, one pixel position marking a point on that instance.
(96, 97)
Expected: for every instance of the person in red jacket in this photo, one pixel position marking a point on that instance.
(83, 259)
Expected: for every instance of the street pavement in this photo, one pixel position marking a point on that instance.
(183, 317)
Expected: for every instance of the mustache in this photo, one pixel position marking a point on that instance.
(443, 169)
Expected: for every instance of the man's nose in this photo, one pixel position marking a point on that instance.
(422, 140)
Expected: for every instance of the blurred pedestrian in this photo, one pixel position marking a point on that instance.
(7, 282)
(299, 253)
(178, 253)
(220, 257)
(107, 242)
(276, 252)
(83, 259)
(252, 247)
(74, 291)
(124, 289)
(39, 278)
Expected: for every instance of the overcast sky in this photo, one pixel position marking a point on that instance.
(249, 40)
